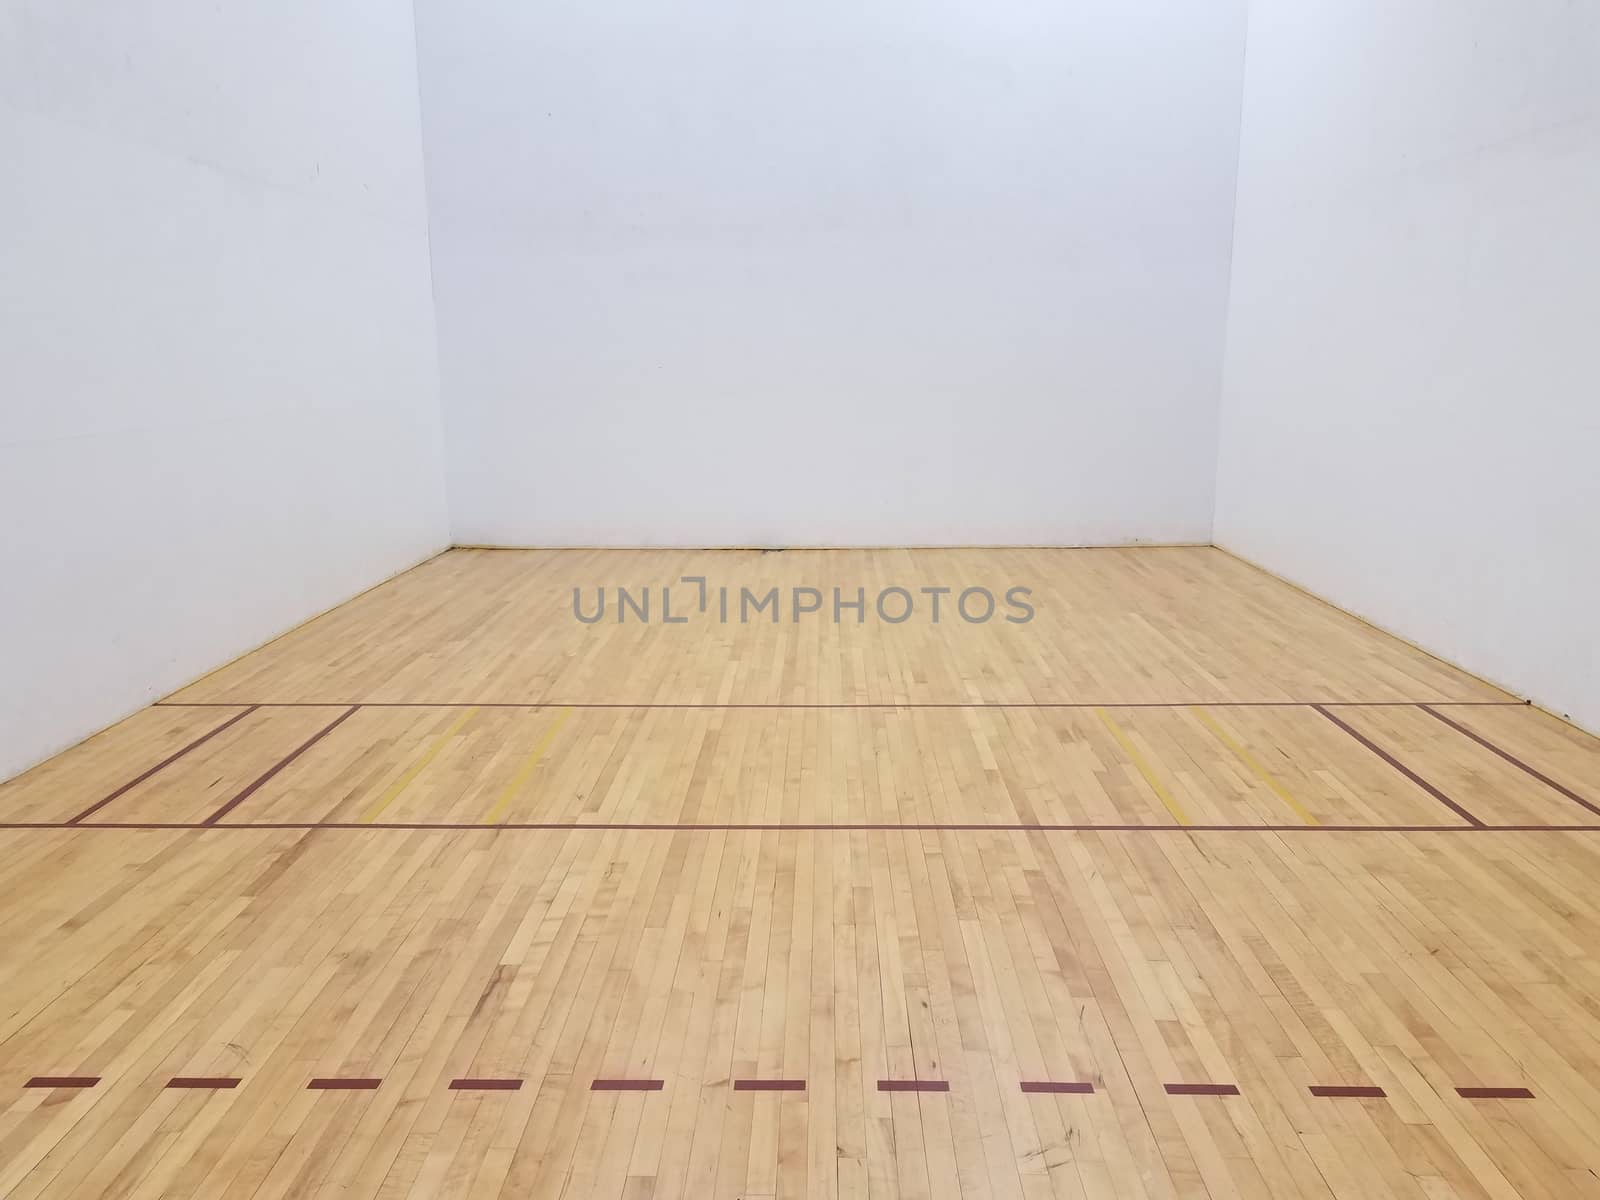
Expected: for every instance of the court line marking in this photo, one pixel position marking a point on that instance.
(1341, 1091)
(690, 827)
(502, 806)
(1150, 777)
(164, 763)
(778, 704)
(1399, 766)
(1250, 761)
(404, 781)
(1513, 760)
(1032, 1087)
(271, 771)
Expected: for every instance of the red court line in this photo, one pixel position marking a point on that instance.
(216, 1083)
(163, 764)
(846, 827)
(627, 1085)
(913, 1085)
(1400, 766)
(343, 1084)
(486, 1085)
(1051, 1088)
(1494, 1093)
(769, 1085)
(62, 1081)
(303, 747)
(866, 704)
(1201, 1089)
(1513, 760)
(1338, 1091)
(689, 827)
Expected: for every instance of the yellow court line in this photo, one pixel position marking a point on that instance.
(400, 785)
(1132, 752)
(1249, 760)
(524, 772)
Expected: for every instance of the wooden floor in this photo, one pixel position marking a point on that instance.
(1191, 886)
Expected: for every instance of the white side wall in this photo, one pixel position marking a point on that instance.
(907, 272)
(1411, 414)
(220, 409)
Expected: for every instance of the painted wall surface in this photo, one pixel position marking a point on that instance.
(217, 359)
(1411, 414)
(719, 273)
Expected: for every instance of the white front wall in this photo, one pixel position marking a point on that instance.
(713, 273)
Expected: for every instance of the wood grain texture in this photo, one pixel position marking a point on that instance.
(428, 1011)
(1164, 626)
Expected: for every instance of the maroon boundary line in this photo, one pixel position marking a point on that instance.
(62, 1081)
(1201, 1089)
(769, 1085)
(204, 1082)
(343, 1084)
(913, 1085)
(486, 1085)
(1401, 767)
(1052, 1088)
(163, 764)
(689, 827)
(1494, 1093)
(1338, 1091)
(627, 1085)
(1513, 760)
(868, 704)
(303, 747)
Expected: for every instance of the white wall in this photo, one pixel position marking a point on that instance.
(218, 387)
(914, 271)
(1411, 414)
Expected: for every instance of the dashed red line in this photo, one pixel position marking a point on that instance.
(1338, 1091)
(1030, 1086)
